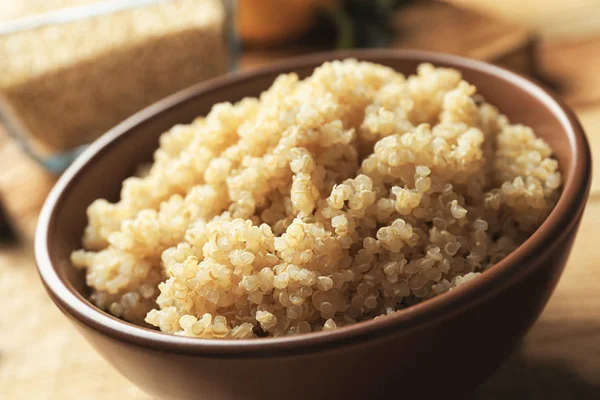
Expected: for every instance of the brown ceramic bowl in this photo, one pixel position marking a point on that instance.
(442, 347)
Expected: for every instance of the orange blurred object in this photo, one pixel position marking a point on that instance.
(268, 22)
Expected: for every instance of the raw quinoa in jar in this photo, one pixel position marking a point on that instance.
(73, 69)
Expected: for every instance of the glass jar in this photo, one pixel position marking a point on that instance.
(71, 72)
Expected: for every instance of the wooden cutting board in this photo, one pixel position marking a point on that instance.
(435, 26)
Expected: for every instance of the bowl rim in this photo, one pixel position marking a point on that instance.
(559, 223)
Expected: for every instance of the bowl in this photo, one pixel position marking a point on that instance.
(444, 346)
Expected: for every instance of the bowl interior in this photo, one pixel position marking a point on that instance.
(115, 156)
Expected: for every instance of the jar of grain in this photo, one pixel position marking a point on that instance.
(73, 69)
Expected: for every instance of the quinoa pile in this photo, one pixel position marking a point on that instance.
(326, 201)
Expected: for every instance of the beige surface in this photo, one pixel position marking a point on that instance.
(41, 355)
(12, 9)
(552, 18)
(23, 188)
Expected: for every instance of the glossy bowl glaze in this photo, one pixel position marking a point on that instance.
(442, 347)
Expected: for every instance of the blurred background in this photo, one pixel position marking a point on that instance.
(72, 69)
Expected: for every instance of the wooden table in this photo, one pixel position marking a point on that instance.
(43, 357)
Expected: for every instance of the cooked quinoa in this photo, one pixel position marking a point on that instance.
(326, 201)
